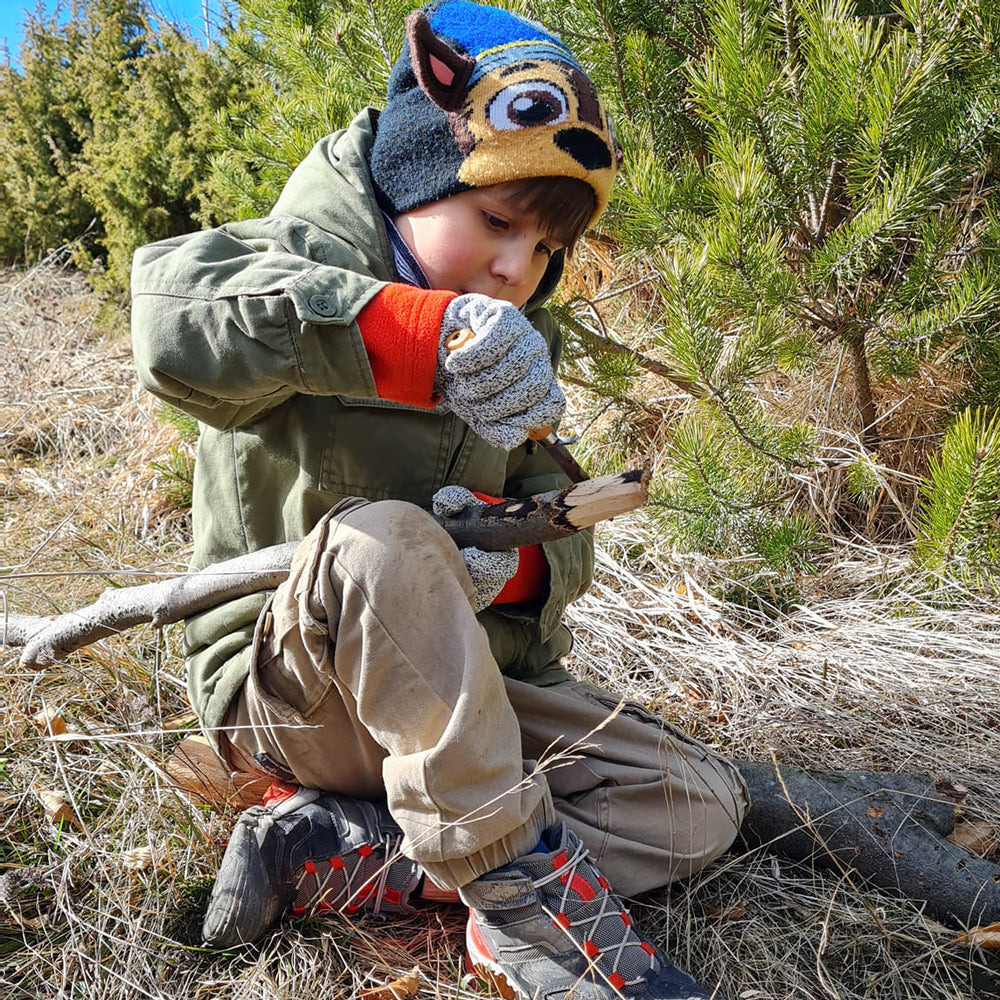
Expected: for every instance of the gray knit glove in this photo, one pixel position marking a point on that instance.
(489, 570)
(500, 382)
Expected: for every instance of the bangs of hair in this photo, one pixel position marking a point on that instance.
(563, 206)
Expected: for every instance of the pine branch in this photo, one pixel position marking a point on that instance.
(824, 212)
(719, 398)
(951, 538)
(603, 342)
(612, 38)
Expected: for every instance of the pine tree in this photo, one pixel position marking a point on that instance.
(314, 65)
(154, 97)
(42, 111)
(813, 195)
(104, 133)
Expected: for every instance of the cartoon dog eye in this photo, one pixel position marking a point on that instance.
(527, 104)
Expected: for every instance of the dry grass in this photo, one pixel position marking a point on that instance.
(866, 674)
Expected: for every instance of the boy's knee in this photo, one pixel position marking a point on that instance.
(717, 802)
(397, 527)
(724, 810)
(669, 830)
(395, 538)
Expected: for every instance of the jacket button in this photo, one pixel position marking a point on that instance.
(322, 305)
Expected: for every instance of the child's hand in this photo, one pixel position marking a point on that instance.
(489, 570)
(501, 381)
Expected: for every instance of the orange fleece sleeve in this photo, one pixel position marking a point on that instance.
(531, 581)
(401, 328)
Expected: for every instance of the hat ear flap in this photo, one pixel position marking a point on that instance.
(442, 72)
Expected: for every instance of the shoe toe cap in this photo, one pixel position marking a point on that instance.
(246, 899)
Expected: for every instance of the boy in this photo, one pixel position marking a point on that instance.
(397, 690)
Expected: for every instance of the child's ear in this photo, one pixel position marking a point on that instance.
(442, 72)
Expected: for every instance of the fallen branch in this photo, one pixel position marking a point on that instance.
(49, 640)
(497, 526)
(891, 829)
(888, 830)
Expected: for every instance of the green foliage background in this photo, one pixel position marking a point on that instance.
(807, 211)
(107, 132)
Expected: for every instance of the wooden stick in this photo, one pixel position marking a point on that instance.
(547, 516)
(493, 527)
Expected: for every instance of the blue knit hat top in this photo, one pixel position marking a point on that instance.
(495, 38)
(482, 96)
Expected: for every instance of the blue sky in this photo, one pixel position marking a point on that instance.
(13, 13)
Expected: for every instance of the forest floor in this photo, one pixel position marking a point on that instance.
(105, 866)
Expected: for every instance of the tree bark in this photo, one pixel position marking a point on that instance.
(891, 829)
(863, 387)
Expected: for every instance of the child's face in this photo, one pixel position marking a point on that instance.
(477, 241)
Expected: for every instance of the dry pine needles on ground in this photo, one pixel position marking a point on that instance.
(105, 866)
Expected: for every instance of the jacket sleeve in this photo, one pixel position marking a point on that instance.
(530, 470)
(230, 322)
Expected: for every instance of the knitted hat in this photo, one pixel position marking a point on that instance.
(481, 96)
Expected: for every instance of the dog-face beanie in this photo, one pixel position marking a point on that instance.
(481, 96)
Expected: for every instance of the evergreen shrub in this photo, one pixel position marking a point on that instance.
(806, 235)
(105, 135)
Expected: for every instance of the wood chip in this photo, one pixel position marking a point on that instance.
(183, 721)
(139, 859)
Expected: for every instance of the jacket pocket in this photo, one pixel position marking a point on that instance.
(382, 450)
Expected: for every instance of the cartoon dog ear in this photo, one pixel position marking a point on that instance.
(441, 71)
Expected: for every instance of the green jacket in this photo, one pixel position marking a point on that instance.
(250, 328)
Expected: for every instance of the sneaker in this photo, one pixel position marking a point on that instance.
(548, 927)
(308, 853)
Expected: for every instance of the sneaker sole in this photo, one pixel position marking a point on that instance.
(491, 974)
(481, 964)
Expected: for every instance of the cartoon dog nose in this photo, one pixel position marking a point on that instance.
(588, 149)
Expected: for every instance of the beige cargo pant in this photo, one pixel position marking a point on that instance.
(373, 678)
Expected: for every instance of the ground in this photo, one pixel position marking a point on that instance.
(105, 866)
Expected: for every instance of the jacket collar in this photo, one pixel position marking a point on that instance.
(332, 188)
